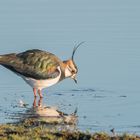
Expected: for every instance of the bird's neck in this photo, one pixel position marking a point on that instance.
(67, 73)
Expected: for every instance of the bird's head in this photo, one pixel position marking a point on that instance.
(71, 69)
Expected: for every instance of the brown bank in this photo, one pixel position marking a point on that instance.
(31, 130)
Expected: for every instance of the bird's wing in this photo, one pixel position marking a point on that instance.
(35, 64)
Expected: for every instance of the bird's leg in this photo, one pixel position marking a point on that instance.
(34, 103)
(40, 102)
(34, 90)
(40, 93)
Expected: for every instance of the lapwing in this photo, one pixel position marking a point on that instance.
(40, 69)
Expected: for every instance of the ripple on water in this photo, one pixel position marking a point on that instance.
(83, 90)
(93, 106)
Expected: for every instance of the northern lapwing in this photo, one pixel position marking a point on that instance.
(40, 69)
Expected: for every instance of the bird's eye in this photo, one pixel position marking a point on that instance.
(72, 71)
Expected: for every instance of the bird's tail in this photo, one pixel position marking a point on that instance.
(0, 58)
(7, 58)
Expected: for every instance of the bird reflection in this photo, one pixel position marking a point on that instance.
(39, 110)
(39, 102)
(48, 115)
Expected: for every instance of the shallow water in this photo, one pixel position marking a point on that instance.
(98, 109)
(107, 95)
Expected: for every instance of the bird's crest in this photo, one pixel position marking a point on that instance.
(75, 48)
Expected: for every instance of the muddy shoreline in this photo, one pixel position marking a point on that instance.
(32, 130)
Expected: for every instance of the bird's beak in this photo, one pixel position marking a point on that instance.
(74, 78)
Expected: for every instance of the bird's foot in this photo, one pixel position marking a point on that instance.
(35, 96)
(40, 96)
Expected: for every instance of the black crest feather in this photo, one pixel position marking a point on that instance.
(75, 48)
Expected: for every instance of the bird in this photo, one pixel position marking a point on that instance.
(40, 69)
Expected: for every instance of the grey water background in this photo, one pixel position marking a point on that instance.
(108, 90)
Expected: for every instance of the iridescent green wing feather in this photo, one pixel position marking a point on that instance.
(36, 64)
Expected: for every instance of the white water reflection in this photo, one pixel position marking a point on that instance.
(40, 113)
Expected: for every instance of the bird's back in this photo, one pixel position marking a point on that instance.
(34, 63)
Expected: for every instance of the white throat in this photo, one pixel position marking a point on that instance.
(67, 72)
